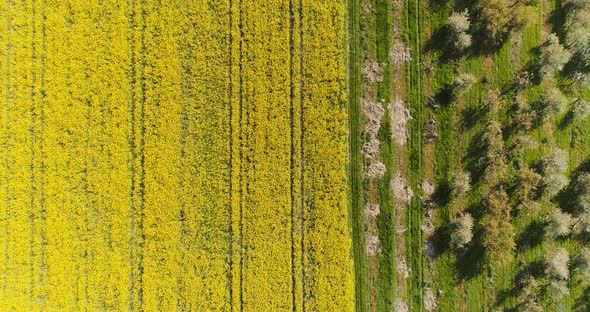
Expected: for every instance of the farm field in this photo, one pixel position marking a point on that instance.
(174, 156)
(295, 155)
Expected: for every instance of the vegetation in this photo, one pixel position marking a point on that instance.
(174, 156)
(460, 183)
(462, 231)
(553, 56)
(459, 24)
(498, 231)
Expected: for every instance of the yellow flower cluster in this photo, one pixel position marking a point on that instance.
(327, 239)
(173, 156)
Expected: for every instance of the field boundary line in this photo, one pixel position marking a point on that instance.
(132, 152)
(231, 160)
(141, 190)
(42, 256)
(292, 151)
(241, 150)
(5, 143)
(301, 158)
(32, 179)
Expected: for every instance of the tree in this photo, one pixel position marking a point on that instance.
(554, 183)
(459, 22)
(528, 300)
(493, 101)
(463, 83)
(497, 16)
(559, 223)
(460, 183)
(525, 142)
(556, 162)
(554, 103)
(498, 231)
(525, 118)
(554, 169)
(493, 140)
(462, 233)
(581, 109)
(577, 4)
(557, 265)
(553, 56)
(463, 41)
(526, 182)
(583, 263)
(581, 79)
(558, 289)
(583, 221)
(582, 188)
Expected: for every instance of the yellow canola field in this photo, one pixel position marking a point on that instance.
(173, 156)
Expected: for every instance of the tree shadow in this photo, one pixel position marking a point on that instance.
(532, 269)
(470, 261)
(442, 193)
(557, 18)
(444, 96)
(441, 239)
(566, 120)
(532, 236)
(470, 116)
(472, 159)
(567, 198)
(442, 42)
(583, 303)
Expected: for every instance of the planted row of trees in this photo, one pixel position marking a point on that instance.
(532, 189)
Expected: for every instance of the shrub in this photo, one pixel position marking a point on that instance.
(581, 109)
(557, 264)
(460, 183)
(559, 223)
(463, 83)
(554, 103)
(553, 56)
(462, 233)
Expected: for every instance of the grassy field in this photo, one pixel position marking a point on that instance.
(459, 281)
